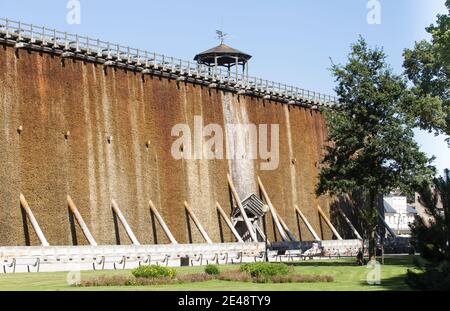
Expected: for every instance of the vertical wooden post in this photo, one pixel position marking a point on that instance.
(197, 223)
(308, 225)
(162, 223)
(230, 225)
(272, 210)
(241, 208)
(328, 222)
(81, 222)
(124, 223)
(33, 221)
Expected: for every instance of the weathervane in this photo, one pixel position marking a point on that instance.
(221, 35)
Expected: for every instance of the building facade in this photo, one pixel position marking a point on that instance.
(398, 214)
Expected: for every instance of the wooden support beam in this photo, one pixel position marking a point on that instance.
(355, 232)
(308, 225)
(124, 223)
(34, 223)
(197, 223)
(81, 222)
(230, 225)
(389, 229)
(272, 211)
(241, 208)
(363, 213)
(260, 231)
(286, 229)
(162, 223)
(328, 222)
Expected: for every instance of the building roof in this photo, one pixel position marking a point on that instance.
(388, 208)
(411, 209)
(225, 54)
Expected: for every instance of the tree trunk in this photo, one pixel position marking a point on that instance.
(372, 244)
(372, 222)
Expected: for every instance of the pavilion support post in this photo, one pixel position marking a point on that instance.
(308, 225)
(242, 210)
(329, 223)
(246, 71)
(197, 223)
(272, 211)
(162, 223)
(215, 67)
(355, 232)
(79, 218)
(124, 223)
(34, 223)
(230, 225)
(237, 70)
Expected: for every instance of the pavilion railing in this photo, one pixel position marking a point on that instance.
(110, 52)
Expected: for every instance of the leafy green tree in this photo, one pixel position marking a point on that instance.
(371, 143)
(428, 68)
(432, 238)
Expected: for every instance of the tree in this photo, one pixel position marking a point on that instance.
(432, 238)
(428, 68)
(371, 143)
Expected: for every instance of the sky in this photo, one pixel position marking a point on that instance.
(292, 41)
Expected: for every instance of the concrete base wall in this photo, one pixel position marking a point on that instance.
(50, 97)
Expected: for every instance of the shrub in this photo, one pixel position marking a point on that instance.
(265, 269)
(154, 272)
(194, 278)
(235, 276)
(212, 270)
(431, 277)
(242, 276)
(300, 278)
(105, 280)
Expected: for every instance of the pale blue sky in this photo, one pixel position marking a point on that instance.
(291, 40)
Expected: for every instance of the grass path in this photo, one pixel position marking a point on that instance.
(347, 277)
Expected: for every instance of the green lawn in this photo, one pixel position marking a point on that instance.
(347, 276)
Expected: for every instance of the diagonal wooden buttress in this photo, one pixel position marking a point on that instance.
(242, 210)
(329, 222)
(124, 223)
(286, 229)
(34, 223)
(355, 232)
(230, 225)
(272, 211)
(197, 223)
(308, 225)
(79, 218)
(162, 223)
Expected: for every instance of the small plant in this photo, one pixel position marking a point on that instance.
(154, 272)
(265, 269)
(212, 270)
